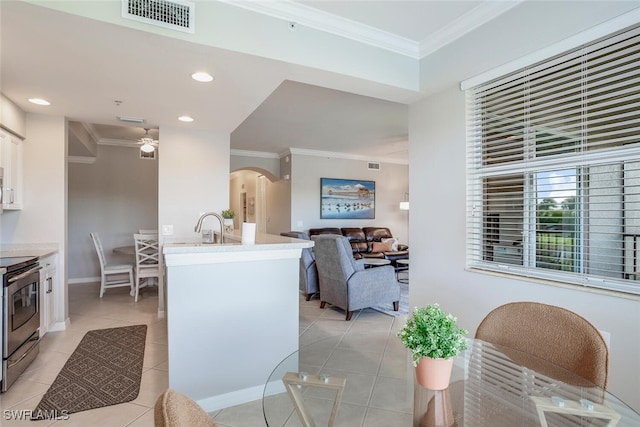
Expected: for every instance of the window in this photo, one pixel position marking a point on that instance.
(554, 168)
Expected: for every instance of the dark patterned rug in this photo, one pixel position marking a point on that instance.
(105, 369)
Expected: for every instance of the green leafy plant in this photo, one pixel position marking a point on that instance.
(430, 332)
(228, 214)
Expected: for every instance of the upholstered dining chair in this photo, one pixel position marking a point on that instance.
(344, 282)
(553, 334)
(173, 409)
(147, 260)
(308, 270)
(111, 275)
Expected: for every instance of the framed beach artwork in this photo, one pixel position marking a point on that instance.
(347, 199)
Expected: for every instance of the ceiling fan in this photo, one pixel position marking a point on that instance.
(148, 143)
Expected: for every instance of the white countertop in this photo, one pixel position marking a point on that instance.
(264, 242)
(40, 250)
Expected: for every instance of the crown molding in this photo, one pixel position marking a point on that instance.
(347, 156)
(317, 19)
(91, 131)
(468, 22)
(118, 142)
(248, 153)
(81, 159)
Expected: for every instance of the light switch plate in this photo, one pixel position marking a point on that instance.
(167, 230)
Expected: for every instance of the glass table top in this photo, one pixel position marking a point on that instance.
(490, 387)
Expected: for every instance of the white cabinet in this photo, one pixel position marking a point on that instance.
(47, 293)
(11, 162)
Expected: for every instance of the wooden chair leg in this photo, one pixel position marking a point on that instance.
(309, 296)
(349, 314)
(395, 305)
(322, 304)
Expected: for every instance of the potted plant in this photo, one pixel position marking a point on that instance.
(434, 340)
(227, 219)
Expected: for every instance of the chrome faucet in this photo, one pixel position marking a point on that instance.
(198, 226)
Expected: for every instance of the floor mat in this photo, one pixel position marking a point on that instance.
(105, 369)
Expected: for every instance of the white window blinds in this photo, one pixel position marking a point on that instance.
(554, 168)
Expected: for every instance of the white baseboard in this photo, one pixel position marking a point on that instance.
(88, 280)
(238, 397)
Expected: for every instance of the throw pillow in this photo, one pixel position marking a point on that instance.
(394, 243)
(381, 247)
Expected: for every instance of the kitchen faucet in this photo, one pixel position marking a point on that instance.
(198, 226)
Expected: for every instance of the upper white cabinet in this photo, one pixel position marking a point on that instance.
(11, 162)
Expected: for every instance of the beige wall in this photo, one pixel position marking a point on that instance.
(392, 182)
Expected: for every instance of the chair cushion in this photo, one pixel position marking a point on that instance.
(174, 409)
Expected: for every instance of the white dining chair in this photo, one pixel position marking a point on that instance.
(111, 275)
(147, 260)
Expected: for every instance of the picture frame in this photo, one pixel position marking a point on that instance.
(347, 198)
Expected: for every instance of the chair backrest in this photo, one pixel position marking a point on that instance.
(551, 333)
(148, 231)
(334, 257)
(173, 409)
(147, 253)
(98, 245)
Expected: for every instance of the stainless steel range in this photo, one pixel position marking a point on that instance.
(21, 316)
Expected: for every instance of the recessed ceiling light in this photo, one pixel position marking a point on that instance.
(39, 101)
(185, 119)
(201, 76)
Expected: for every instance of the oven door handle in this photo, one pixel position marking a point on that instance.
(25, 274)
(25, 354)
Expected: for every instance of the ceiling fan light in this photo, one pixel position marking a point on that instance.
(147, 147)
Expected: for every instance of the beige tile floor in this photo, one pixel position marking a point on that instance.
(368, 354)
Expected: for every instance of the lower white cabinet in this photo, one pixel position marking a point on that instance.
(47, 298)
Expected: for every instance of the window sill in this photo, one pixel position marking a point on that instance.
(557, 284)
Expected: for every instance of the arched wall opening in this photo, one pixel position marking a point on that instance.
(256, 195)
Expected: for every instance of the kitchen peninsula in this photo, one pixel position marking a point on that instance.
(232, 315)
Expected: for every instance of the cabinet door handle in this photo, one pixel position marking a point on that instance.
(50, 287)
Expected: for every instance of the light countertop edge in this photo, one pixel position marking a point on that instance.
(40, 250)
(264, 242)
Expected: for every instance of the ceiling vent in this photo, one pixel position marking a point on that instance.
(175, 15)
(373, 166)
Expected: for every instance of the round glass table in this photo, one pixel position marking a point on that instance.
(333, 383)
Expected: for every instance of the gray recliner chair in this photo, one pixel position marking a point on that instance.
(345, 283)
(308, 272)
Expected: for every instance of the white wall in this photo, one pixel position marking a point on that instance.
(193, 179)
(391, 185)
(437, 221)
(115, 196)
(42, 219)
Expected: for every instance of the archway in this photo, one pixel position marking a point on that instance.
(251, 194)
